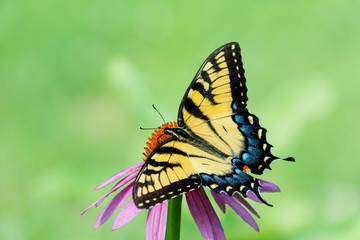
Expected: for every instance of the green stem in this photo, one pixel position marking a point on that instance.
(173, 219)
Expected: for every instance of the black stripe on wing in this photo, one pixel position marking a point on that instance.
(236, 77)
(194, 110)
(162, 178)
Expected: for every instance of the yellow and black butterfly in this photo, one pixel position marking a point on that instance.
(216, 140)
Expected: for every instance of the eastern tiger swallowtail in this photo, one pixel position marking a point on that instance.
(216, 139)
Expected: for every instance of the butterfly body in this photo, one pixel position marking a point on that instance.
(185, 135)
(216, 140)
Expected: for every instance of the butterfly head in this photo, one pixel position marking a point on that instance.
(158, 137)
(177, 132)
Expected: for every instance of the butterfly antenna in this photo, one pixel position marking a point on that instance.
(159, 113)
(141, 128)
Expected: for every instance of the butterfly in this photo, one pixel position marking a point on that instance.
(215, 142)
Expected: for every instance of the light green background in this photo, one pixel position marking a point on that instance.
(77, 79)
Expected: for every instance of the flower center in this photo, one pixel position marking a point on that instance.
(157, 138)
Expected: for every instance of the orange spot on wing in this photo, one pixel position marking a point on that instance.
(245, 168)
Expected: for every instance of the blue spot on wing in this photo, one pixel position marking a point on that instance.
(220, 181)
(242, 177)
(252, 156)
(239, 119)
(231, 181)
(236, 162)
(247, 130)
(207, 179)
(255, 152)
(253, 142)
(236, 106)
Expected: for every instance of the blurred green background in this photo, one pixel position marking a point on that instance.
(78, 78)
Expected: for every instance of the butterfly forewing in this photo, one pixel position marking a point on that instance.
(166, 173)
(218, 88)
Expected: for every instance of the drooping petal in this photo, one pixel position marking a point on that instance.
(268, 186)
(128, 213)
(114, 205)
(84, 211)
(121, 183)
(252, 196)
(119, 175)
(204, 215)
(156, 222)
(219, 201)
(240, 210)
(246, 204)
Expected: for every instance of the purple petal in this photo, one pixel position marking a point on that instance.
(268, 186)
(252, 196)
(204, 215)
(220, 202)
(88, 207)
(128, 213)
(121, 183)
(240, 210)
(265, 187)
(114, 205)
(246, 204)
(119, 175)
(156, 222)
